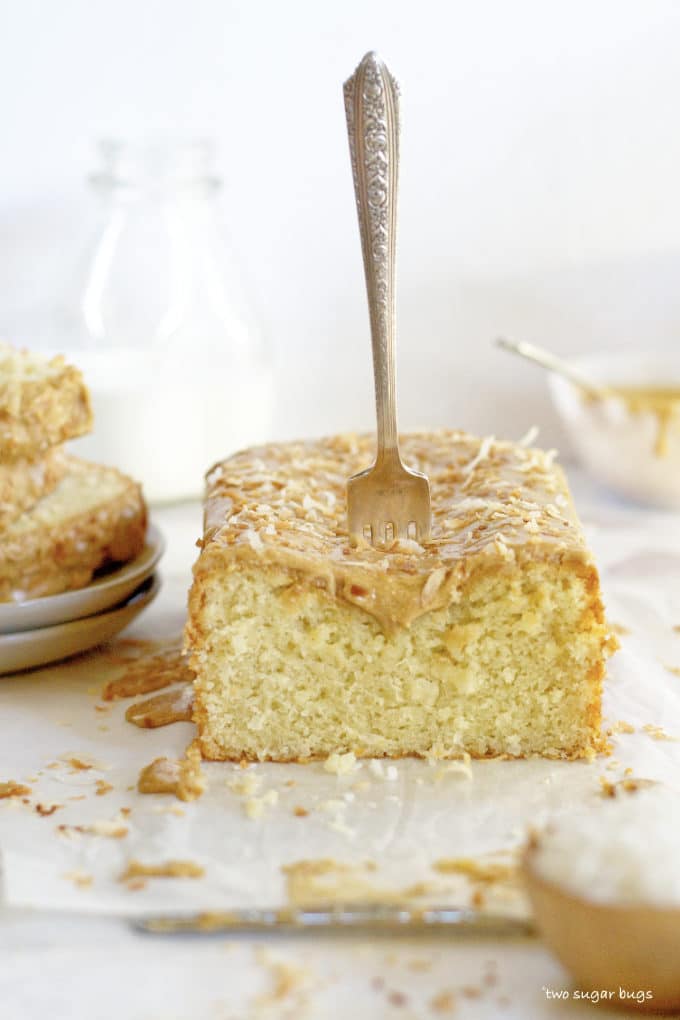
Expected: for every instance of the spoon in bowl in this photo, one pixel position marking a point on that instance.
(550, 361)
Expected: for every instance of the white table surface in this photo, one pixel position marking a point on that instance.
(83, 967)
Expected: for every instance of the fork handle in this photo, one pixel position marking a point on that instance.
(372, 109)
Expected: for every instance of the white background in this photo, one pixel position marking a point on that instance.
(539, 189)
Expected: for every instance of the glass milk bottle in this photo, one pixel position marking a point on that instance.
(178, 370)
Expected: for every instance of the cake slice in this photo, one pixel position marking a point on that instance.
(490, 639)
(43, 402)
(24, 482)
(94, 516)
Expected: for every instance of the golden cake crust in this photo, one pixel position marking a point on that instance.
(95, 515)
(42, 403)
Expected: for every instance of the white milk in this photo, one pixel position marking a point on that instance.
(166, 418)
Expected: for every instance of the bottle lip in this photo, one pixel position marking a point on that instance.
(156, 163)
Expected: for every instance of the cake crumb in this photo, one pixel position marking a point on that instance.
(341, 764)
(165, 869)
(622, 727)
(300, 812)
(13, 789)
(245, 786)
(675, 670)
(47, 809)
(255, 807)
(486, 872)
(420, 965)
(183, 778)
(110, 828)
(397, 998)
(658, 733)
(287, 981)
(459, 767)
(103, 787)
(79, 878)
(619, 629)
(443, 1002)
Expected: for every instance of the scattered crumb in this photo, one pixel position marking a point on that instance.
(443, 1002)
(341, 764)
(628, 771)
(169, 809)
(396, 998)
(149, 673)
(675, 670)
(47, 809)
(462, 767)
(624, 785)
(486, 872)
(245, 786)
(163, 709)
(657, 732)
(111, 828)
(80, 878)
(287, 981)
(300, 812)
(471, 992)
(183, 778)
(255, 807)
(622, 727)
(165, 869)
(102, 708)
(419, 965)
(618, 628)
(13, 789)
(676, 628)
(103, 787)
(77, 796)
(78, 764)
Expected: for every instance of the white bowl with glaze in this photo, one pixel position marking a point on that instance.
(616, 445)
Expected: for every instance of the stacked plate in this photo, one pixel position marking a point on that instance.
(40, 631)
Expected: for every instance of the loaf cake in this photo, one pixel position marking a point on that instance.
(95, 516)
(43, 402)
(24, 482)
(490, 639)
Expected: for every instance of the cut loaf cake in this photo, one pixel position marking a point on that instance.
(490, 639)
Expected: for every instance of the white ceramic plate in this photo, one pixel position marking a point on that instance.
(107, 590)
(31, 648)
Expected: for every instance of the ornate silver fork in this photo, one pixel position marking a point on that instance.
(387, 501)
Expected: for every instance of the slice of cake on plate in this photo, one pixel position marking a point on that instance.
(490, 639)
(95, 516)
(43, 402)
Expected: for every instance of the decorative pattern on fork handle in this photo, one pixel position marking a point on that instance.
(372, 97)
